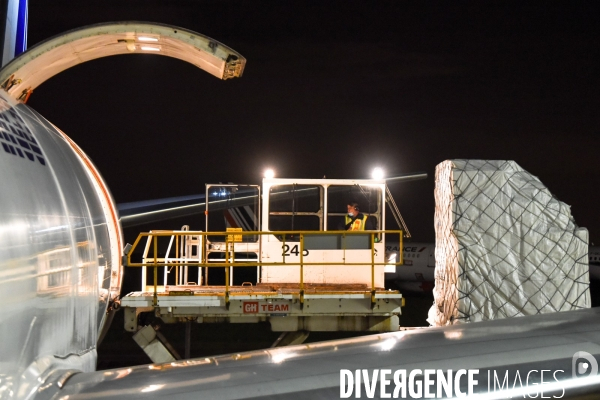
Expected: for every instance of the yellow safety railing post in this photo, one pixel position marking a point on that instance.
(155, 240)
(372, 270)
(401, 261)
(204, 259)
(227, 243)
(177, 258)
(301, 271)
(401, 249)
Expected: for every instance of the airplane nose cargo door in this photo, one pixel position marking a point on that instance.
(23, 74)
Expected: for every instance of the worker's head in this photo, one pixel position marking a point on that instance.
(353, 209)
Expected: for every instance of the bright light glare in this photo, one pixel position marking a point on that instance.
(149, 48)
(280, 357)
(269, 173)
(147, 39)
(391, 268)
(151, 388)
(377, 173)
(453, 335)
(388, 344)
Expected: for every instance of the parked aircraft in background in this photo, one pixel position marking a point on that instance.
(594, 258)
(417, 273)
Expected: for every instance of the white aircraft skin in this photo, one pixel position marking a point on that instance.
(60, 247)
(522, 346)
(59, 252)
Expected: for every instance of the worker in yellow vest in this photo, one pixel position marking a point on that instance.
(355, 220)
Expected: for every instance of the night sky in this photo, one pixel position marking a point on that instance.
(335, 88)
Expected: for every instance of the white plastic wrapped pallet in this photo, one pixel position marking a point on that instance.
(505, 246)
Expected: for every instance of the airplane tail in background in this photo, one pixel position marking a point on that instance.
(13, 28)
(240, 217)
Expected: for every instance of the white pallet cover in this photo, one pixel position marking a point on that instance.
(505, 246)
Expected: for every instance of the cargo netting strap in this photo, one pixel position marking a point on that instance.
(505, 246)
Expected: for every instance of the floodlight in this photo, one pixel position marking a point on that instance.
(377, 173)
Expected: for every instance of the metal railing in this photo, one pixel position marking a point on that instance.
(232, 238)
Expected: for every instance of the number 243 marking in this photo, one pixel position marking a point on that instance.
(293, 250)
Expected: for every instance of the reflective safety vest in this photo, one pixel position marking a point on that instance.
(358, 224)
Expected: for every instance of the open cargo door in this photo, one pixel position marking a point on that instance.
(23, 74)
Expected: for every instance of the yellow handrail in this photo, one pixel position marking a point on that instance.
(251, 264)
(230, 254)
